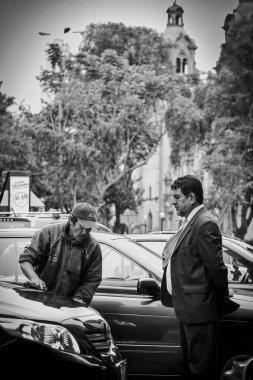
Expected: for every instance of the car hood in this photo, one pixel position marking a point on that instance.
(19, 302)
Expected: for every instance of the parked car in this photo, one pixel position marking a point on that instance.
(228, 237)
(237, 254)
(29, 219)
(9, 222)
(43, 333)
(39, 220)
(128, 298)
(102, 227)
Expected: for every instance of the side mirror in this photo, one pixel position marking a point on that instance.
(148, 286)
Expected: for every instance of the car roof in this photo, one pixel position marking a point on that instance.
(166, 234)
(18, 232)
(29, 231)
(247, 253)
(244, 250)
(162, 232)
(149, 237)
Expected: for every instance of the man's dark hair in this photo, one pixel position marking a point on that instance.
(189, 184)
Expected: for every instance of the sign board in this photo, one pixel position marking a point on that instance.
(17, 187)
(19, 193)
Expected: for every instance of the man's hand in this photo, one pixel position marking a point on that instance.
(38, 283)
(29, 272)
(80, 300)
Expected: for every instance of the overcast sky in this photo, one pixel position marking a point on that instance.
(23, 49)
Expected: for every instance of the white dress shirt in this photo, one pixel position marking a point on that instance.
(182, 227)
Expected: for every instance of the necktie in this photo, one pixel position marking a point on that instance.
(168, 251)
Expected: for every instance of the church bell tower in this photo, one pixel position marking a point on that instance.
(182, 47)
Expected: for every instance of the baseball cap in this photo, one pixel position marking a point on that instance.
(86, 214)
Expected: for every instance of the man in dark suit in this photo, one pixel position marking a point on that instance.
(195, 280)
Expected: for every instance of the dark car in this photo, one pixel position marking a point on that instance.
(237, 255)
(43, 334)
(145, 331)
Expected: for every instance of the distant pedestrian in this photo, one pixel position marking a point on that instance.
(195, 280)
(64, 258)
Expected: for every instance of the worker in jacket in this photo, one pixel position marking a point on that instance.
(64, 258)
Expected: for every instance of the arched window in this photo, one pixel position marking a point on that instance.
(178, 20)
(178, 65)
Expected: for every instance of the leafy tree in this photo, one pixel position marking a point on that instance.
(14, 146)
(184, 119)
(139, 45)
(97, 127)
(123, 196)
(217, 116)
(98, 124)
(112, 118)
(229, 152)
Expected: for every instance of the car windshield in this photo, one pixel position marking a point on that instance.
(10, 250)
(141, 253)
(155, 246)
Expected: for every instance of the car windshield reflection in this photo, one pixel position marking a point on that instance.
(10, 250)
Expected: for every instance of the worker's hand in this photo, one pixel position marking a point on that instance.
(36, 282)
(80, 300)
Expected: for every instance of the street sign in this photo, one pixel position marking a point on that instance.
(18, 186)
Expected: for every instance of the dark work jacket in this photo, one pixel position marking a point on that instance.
(68, 267)
(198, 273)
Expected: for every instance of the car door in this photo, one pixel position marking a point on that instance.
(145, 331)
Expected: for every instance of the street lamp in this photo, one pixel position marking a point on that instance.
(162, 217)
(166, 200)
(145, 224)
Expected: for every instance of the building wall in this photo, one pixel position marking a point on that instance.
(156, 177)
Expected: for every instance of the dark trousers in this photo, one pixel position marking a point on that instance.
(199, 347)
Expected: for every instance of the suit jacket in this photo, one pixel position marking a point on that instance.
(198, 273)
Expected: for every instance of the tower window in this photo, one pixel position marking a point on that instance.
(178, 20)
(185, 66)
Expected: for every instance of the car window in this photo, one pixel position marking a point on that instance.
(117, 266)
(10, 250)
(236, 270)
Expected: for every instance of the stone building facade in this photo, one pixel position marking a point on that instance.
(182, 47)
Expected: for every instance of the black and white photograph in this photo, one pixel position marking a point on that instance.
(126, 189)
